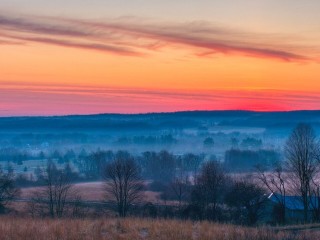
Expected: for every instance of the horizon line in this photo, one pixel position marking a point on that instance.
(166, 112)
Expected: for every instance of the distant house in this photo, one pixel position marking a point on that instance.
(293, 208)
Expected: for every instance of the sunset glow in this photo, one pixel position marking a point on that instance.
(85, 57)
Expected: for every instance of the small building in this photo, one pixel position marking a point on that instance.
(294, 209)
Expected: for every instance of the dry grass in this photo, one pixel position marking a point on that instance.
(86, 229)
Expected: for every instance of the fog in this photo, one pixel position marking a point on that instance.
(27, 143)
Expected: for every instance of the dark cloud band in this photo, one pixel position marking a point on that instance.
(133, 38)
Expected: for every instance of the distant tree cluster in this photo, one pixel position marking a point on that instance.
(11, 154)
(148, 140)
(237, 160)
(251, 142)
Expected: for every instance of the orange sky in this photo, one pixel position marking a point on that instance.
(53, 64)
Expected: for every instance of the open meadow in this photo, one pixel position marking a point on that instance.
(132, 228)
(90, 191)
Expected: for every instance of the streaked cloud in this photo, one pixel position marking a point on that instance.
(39, 25)
(10, 42)
(83, 45)
(133, 36)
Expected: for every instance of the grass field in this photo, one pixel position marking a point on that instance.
(98, 229)
(90, 191)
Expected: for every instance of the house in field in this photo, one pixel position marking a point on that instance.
(294, 209)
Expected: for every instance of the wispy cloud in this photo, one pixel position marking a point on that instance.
(84, 45)
(40, 25)
(132, 36)
(10, 42)
(212, 38)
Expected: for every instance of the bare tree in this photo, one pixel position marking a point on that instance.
(275, 182)
(53, 198)
(180, 186)
(209, 188)
(315, 199)
(123, 182)
(7, 190)
(302, 151)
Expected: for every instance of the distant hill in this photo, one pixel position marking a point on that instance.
(155, 121)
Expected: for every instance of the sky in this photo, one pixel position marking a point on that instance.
(91, 56)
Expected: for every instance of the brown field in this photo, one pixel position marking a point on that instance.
(91, 191)
(86, 229)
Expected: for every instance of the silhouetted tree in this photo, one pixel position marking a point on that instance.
(191, 162)
(159, 166)
(180, 186)
(302, 151)
(52, 199)
(93, 165)
(69, 155)
(123, 182)
(248, 197)
(208, 142)
(41, 155)
(7, 190)
(276, 182)
(251, 143)
(209, 188)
